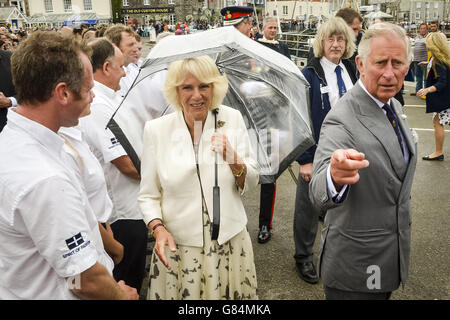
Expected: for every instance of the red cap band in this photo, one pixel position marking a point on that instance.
(234, 15)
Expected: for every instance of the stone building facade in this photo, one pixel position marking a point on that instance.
(142, 12)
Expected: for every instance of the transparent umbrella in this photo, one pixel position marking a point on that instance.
(266, 87)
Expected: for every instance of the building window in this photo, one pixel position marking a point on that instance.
(125, 3)
(436, 5)
(67, 5)
(146, 2)
(285, 10)
(87, 5)
(125, 19)
(427, 4)
(48, 4)
(435, 15)
(172, 19)
(171, 1)
(417, 15)
(418, 5)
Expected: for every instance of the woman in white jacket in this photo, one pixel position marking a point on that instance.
(176, 196)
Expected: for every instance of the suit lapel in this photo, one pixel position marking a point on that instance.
(373, 118)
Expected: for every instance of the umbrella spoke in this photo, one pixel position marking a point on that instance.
(250, 119)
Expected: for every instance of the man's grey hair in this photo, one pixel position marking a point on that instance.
(269, 19)
(382, 29)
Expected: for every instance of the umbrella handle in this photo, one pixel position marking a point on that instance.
(215, 226)
(216, 193)
(216, 174)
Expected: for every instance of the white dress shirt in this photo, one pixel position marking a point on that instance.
(329, 69)
(122, 190)
(48, 231)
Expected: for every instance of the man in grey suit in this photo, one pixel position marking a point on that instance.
(362, 175)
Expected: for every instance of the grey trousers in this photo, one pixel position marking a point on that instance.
(306, 219)
(336, 294)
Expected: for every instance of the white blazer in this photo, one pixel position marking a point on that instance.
(170, 187)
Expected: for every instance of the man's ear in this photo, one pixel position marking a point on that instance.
(106, 66)
(62, 92)
(359, 64)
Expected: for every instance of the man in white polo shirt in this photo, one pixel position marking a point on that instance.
(121, 176)
(50, 244)
(125, 39)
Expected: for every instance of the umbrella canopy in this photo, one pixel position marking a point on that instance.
(265, 86)
(378, 15)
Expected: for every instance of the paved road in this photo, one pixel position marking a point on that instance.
(429, 275)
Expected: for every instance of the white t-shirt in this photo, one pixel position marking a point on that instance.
(48, 231)
(122, 190)
(331, 78)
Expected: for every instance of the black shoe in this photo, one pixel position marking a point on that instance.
(307, 272)
(438, 158)
(264, 234)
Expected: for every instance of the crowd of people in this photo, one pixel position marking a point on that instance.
(76, 212)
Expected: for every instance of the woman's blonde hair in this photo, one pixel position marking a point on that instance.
(204, 69)
(335, 25)
(439, 49)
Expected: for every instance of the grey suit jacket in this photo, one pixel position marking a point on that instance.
(371, 227)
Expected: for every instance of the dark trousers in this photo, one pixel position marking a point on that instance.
(132, 234)
(336, 294)
(420, 73)
(266, 204)
(306, 219)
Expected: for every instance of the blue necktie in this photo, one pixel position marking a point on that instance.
(394, 121)
(340, 82)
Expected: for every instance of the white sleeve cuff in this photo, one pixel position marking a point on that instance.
(332, 192)
(13, 102)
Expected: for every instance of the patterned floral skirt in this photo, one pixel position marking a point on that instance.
(213, 272)
(444, 116)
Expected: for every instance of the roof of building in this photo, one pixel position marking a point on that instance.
(61, 17)
(9, 13)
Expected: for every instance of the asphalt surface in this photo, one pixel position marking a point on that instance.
(429, 272)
